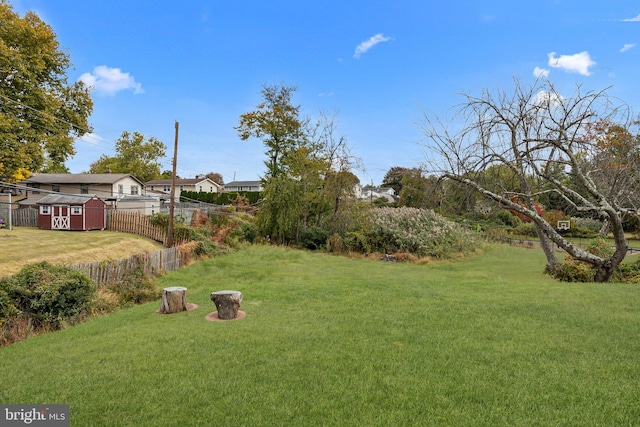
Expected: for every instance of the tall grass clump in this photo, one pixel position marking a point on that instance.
(418, 231)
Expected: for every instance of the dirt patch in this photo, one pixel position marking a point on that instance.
(213, 317)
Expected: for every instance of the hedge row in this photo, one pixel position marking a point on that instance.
(220, 198)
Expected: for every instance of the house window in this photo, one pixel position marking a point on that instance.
(35, 186)
(76, 210)
(134, 190)
(44, 210)
(120, 189)
(84, 189)
(201, 188)
(182, 188)
(166, 188)
(153, 209)
(55, 187)
(210, 189)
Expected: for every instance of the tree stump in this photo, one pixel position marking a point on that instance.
(174, 300)
(227, 303)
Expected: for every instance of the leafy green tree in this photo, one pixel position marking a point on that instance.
(136, 155)
(308, 165)
(276, 121)
(393, 178)
(41, 113)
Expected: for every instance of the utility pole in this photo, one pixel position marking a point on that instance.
(173, 189)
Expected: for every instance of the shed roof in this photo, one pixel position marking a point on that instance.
(66, 199)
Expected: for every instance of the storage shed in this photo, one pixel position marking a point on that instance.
(71, 212)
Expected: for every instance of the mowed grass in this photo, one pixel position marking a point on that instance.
(24, 245)
(483, 341)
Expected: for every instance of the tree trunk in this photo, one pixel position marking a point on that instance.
(547, 247)
(174, 300)
(227, 303)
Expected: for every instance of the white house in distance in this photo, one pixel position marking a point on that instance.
(371, 193)
(200, 185)
(243, 186)
(107, 186)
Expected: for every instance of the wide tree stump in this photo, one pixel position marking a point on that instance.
(227, 303)
(174, 300)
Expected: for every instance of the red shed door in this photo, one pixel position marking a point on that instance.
(60, 218)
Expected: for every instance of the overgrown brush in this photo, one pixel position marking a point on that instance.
(42, 297)
(136, 287)
(417, 231)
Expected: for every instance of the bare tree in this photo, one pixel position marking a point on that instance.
(548, 141)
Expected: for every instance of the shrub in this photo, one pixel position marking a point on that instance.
(418, 231)
(136, 287)
(240, 229)
(572, 270)
(314, 238)
(526, 229)
(8, 307)
(505, 217)
(593, 225)
(356, 241)
(600, 247)
(51, 295)
(628, 272)
(335, 244)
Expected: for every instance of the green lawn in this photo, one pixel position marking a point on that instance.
(26, 245)
(482, 341)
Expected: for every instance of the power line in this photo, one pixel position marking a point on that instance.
(88, 133)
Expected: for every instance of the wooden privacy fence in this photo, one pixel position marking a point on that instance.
(135, 223)
(24, 217)
(112, 271)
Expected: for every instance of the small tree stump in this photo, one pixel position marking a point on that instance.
(227, 303)
(174, 300)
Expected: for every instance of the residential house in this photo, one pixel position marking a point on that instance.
(162, 187)
(243, 186)
(109, 187)
(147, 204)
(371, 193)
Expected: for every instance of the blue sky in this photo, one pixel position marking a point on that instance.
(203, 63)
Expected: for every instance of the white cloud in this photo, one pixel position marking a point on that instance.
(107, 81)
(540, 73)
(576, 63)
(368, 44)
(626, 47)
(636, 19)
(92, 138)
(547, 98)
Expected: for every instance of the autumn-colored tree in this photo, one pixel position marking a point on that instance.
(215, 177)
(41, 113)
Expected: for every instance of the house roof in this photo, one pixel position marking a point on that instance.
(151, 197)
(243, 183)
(180, 181)
(78, 178)
(66, 199)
